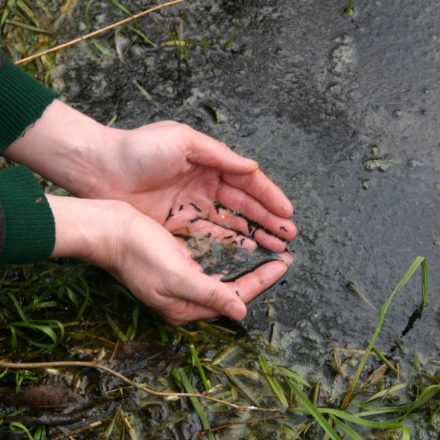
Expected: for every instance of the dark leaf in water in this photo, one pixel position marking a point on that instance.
(42, 396)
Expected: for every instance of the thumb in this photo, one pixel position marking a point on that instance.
(212, 294)
(212, 153)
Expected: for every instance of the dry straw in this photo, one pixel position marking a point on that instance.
(99, 31)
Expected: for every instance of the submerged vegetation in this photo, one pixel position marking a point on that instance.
(81, 358)
(72, 364)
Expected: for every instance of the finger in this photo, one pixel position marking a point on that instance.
(204, 216)
(212, 153)
(204, 232)
(259, 186)
(192, 312)
(269, 241)
(286, 257)
(251, 285)
(235, 231)
(239, 200)
(211, 294)
(246, 288)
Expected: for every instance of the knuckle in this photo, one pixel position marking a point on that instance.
(185, 128)
(211, 297)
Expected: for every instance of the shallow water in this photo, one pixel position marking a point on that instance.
(342, 112)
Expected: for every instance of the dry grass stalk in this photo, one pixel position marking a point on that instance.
(99, 31)
(169, 395)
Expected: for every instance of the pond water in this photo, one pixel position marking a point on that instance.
(341, 111)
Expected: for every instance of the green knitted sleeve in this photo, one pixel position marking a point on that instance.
(22, 101)
(29, 227)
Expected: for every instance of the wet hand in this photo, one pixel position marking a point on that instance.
(190, 182)
(156, 266)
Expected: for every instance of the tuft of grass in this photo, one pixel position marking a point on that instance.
(418, 262)
(231, 369)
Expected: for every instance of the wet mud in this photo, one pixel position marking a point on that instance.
(342, 112)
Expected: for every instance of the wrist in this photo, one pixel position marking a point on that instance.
(66, 147)
(86, 229)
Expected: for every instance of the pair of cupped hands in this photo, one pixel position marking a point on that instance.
(137, 192)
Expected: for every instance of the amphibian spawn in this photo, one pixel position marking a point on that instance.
(229, 261)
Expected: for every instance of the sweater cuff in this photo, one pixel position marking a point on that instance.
(22, 101)
(29, 223)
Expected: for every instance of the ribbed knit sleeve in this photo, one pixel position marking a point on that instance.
(22, 101)
(2, 227)
(29, 227)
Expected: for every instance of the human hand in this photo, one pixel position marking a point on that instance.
(170, 172)
(156, 266)
(192, 183)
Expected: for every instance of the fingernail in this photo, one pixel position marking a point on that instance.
(235, 310)
(250, 161)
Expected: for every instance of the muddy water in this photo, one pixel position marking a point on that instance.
(342, 112)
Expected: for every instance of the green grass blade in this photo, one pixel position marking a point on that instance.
(381, 410)
(354, 418)
(98, 46)
(72, 297)
(26, 10)
(119, 333)
(196, 361)
(419, 261)
(347, 429)
(19, 427)
(132, 327)
(406, 433)
(144, 92)
(425, 396)
(52, 323)
(313, 411)
(382, 357)
(132, 28)
(14, 341)
(142, 35)
(111, 122)
(294, 376)
(194, 401)
(45, 329)
(387, 391)
(87, 13)
(29, 27)
(8, 8)
(17, 306)
(120, 6)
(242, 388)
(85, 291)
(101, 48)
(348, 10)
(274, 384)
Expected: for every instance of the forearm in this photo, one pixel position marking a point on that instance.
(66, 147)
